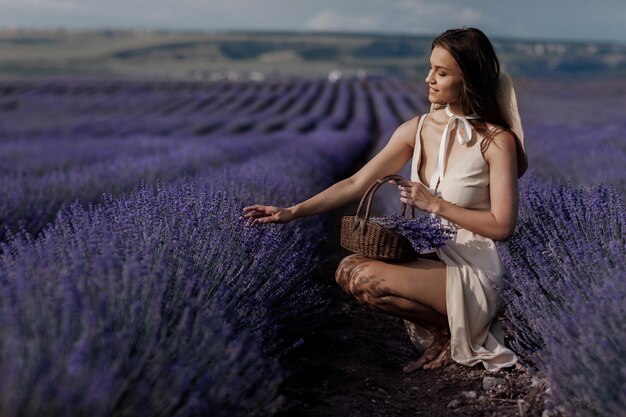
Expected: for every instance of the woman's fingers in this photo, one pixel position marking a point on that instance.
(266, 214)
(254, 221)
(414, 194)
(259, 214)
(261, 220)
(405, 183)
(254, 213)
(258, 210)
(256, 207)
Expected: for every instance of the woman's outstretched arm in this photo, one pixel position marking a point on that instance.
(497, 223)
(388, 161)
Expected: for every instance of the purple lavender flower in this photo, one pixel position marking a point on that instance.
(159, 299)
(565, 291)
(424, 232)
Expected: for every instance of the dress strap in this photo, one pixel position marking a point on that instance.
(419, 128)
(418, 148)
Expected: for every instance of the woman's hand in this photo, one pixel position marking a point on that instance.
(416, 194)
(267, 214)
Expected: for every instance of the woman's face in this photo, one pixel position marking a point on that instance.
(444, 77)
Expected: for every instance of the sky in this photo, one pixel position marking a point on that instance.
(525, 19)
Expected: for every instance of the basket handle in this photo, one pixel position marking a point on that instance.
(369, 195)
(378, 184)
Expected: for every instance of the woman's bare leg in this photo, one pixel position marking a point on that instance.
(414, 291)
(345, 268)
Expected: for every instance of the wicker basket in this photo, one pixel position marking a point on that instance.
(362, 236)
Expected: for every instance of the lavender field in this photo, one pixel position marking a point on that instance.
(130, 286)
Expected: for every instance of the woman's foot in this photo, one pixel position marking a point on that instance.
(433, 351)
(443, 359)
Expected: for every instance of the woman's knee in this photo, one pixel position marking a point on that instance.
(364, 284)
(346, 267)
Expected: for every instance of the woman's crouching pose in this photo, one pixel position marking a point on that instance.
(467, 155)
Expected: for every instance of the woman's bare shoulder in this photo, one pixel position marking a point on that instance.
(408, 129)
(501, 134)
(435, 114)
(503, 144)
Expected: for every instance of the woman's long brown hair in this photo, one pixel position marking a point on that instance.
(476, 57)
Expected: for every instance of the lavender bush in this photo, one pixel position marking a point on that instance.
(147, 304)
(151, 299)
(585, 348)
(32, 200)
(568, 138)
(160, 300)
(181, 308)
(56, 154)
(568, 250)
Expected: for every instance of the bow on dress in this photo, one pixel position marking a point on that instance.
(464, 126)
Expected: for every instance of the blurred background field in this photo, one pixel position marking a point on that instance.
(262, 55)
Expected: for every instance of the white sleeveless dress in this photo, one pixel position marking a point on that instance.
(473, 267)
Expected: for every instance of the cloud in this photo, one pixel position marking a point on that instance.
(439, 13)
(469, 16)
(332, 20)
(412, 16)
(48, 4)
(531, 18)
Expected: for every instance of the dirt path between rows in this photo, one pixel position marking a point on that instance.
(352, 366)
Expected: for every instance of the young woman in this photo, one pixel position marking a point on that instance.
(466, 161)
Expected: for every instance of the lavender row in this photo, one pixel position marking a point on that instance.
(393, 103)
(31, 201)
(583, 154)
(565, 300)
(404, 99)
(567, 258)
(38, 156)
(387, 121)
(574, 129)
(120, 114)
(72, 170)
(145, 310)
(183, 309)
(69, 109)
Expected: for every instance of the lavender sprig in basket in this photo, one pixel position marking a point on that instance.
(390, 238)
(424, 232)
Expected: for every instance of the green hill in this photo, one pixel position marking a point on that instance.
(261, 55)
